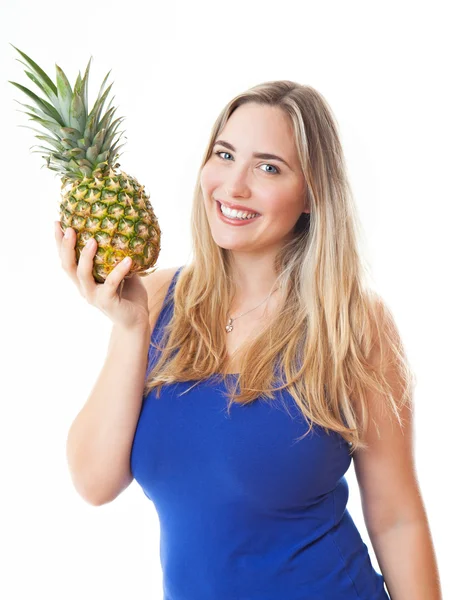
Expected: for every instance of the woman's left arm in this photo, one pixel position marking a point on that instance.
(392, 504)
(407, 560)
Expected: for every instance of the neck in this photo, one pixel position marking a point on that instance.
(254, 279)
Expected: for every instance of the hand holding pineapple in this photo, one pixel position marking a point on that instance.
(130, 310)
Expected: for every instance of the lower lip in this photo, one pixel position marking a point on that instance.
(235, 222)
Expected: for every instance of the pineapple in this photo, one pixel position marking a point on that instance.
(96, 199)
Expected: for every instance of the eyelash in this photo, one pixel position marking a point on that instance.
(217, 152)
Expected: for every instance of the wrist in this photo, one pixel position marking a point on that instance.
(140, 329)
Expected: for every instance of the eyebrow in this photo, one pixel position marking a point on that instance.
(264, 155)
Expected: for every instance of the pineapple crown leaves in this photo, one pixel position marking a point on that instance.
(82, 142)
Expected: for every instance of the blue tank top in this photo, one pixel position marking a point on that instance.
(246, 511)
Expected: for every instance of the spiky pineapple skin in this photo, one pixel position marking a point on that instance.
(113, 208)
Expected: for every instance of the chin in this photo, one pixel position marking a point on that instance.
(228, 244)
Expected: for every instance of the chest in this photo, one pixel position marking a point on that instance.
(244, 330)
(242, 333)
(186, 441)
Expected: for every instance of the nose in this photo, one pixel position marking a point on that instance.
(236, 183)
(237, 188)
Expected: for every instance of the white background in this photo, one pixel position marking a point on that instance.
(383, 67)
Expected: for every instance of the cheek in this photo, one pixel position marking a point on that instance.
(283, 203)
(203, 180)
(208, 179)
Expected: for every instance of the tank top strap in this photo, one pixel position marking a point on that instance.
(164, 317)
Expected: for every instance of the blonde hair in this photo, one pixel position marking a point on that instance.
(330, 319)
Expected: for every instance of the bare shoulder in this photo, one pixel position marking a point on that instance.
(157, 285)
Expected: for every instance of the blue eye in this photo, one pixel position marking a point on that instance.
(218, 152)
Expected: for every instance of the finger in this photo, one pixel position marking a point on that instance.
(58, 231)
(67, 253)
(59, 234)
(85, 267)
(116, 277)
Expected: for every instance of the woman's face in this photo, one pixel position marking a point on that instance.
(234, 175)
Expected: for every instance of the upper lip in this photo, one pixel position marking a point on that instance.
(238, 207)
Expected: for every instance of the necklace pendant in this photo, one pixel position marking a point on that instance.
(229, 326)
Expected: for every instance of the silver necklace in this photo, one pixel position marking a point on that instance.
(229, 326)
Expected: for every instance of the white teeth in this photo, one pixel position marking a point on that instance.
(236, 214)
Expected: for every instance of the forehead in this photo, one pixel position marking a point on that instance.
(260, 128)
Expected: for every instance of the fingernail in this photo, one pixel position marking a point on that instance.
(67, 233)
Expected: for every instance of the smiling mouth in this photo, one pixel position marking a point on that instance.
(233, 213)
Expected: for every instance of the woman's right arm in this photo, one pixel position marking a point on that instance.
(100, 438)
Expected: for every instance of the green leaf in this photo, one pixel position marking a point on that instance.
(41, 148)
(43, 104)
(54, 169)
(86, 170)
(102, 87)
(73, 166)
(43, 86)
(106, 119)
(46, 138)
(115, 152)
(92, 153)
(75, 153)
(44, 77)
(112, 133)
(47, 91)
(77, 113)
(68, 144)
(64, 93)
(63, 166)
(100, 99)
(100, 108)
(76, 87)
(71, 133)
(91, 125)
(32, 128)
(103, 156)
(101, 166)
(98, 139)
(84, 85)
(27, 113)
(108, 109)
(56, 129)
(35, 111)
(84, 143)
(83, 162)
(59, 157)
(110, 105)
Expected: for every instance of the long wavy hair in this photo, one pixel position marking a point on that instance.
(319, 343)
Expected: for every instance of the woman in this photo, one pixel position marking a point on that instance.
(272, 365)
